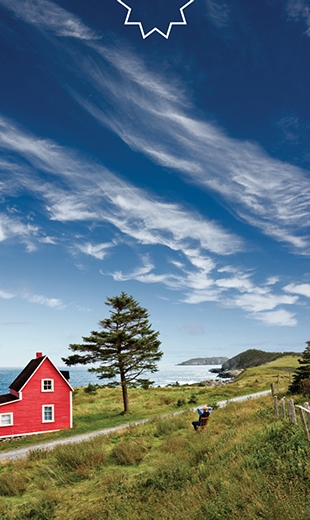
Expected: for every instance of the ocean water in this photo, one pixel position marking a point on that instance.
(167, 374)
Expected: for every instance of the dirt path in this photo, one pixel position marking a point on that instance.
(21, 453)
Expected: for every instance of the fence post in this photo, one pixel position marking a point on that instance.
(306, 405)
(304, 423)
(283, 414)
(291, 411)
(276, 406)
(273, 389)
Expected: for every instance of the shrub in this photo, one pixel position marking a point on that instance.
(305, 387)
(192, 399)
(91, 389)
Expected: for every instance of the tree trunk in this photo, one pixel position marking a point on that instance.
(125, 393)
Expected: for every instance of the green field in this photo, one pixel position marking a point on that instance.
(247, 465)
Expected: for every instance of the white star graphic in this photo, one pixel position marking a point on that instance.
(155, 29)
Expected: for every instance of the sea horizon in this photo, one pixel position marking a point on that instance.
(167, 374)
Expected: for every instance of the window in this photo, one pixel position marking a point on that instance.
(48, 413)
(47, 385)
(6, 419)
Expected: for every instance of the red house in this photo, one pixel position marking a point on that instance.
(40, 400)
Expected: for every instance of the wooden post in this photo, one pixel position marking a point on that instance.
(304, 422)
(291, 411)
(273, 389)
(282, 402)
(276, 406)
(306, 405)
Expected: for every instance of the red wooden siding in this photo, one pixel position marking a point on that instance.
(27, 412)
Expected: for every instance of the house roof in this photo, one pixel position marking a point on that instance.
(30, 369)
(26, 373)
(7, 398)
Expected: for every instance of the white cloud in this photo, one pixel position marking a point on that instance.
(5, 295)
(49, 16)
(154, 117)
(54, 303)
(265, 192)
(272, 280)
(281, 318)
(299, 10)
(98, 251)
(78, 190)
(200, 284)
(12, 227)
(256, 302)
(48, 240)
(218, 12)
(303, 289)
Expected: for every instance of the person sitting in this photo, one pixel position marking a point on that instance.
(203, 411)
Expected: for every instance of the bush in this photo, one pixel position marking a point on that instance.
(305, 387)
(192, 399)
(91, 389)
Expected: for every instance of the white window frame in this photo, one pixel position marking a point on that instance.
(10, 414)
(44, 406)
(49, 389)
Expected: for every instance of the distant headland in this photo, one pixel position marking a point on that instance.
(231, 368)
(205, 361)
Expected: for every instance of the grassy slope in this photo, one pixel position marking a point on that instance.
(104, 409)
(247, 465)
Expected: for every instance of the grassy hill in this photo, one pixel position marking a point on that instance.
(246, 465)
(253, 358)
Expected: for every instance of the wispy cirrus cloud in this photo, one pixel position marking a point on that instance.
(299, 10)
(218, 12)
(54, 303)
(99, 251)
(78, 190)
(202, 282)
(155, 117)
(12, 227)
(49, 16)
(265, 192)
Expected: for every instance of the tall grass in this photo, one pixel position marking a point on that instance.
(246, 465)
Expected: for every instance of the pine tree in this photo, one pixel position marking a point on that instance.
(301, 378)
(125, 347)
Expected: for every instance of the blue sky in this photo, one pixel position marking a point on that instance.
(174, 168)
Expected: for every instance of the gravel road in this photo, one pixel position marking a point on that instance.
(21, 453)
